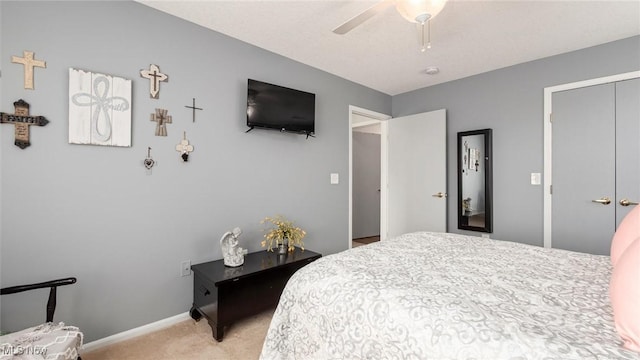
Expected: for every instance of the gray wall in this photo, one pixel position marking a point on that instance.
(366, 185)
(510, 101)
(95, 213)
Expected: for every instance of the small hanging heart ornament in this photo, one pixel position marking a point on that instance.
(149, 162)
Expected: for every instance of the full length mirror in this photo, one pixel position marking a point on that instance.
(475, 181)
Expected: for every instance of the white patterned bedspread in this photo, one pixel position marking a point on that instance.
(447, 296)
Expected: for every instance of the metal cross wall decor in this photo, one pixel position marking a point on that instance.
(194, 109)
(22, 120)
(29, 63)
(161, 117)
(155, 76)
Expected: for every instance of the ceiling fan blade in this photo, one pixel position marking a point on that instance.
(362, 17)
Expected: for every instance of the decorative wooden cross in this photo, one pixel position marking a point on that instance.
(184, 148)
(155, 76)
(194, 109)
(161, 117)
(29, 63)
(22, 120)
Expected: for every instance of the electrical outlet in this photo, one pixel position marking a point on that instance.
(486, 236)
(185, 268)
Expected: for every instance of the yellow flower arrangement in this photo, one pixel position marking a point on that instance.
(283, 229)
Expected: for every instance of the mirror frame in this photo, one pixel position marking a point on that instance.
(488, 180)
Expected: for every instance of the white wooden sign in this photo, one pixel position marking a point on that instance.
(99, 109)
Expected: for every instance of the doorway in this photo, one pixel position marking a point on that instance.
(413, 171)
(365, 176)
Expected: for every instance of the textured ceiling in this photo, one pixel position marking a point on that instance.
(468, 37)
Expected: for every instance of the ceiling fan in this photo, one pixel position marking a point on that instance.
(415, 11)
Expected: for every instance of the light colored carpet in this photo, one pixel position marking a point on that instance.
(192, 340)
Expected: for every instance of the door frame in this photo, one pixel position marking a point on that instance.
(376, 118)
(547, 121)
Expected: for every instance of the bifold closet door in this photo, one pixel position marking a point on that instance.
(596, 164)
(583, 169)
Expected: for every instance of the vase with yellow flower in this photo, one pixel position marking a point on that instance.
(282, 234)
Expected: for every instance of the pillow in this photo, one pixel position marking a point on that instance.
(628, 230)
(625, 296)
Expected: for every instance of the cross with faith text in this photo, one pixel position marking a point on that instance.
(161, 117)
(29, 63)
(155, 76)
(22, 120)
(194, 109)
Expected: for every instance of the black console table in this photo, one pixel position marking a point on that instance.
(224, 295)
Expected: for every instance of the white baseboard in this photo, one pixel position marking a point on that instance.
(129, 334)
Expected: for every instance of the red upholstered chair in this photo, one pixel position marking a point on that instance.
(48, 340)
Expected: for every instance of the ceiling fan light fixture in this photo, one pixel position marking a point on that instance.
(419, 11)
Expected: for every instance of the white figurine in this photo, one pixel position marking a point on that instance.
(233, 254)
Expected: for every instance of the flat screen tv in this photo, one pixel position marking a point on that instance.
(276, 107)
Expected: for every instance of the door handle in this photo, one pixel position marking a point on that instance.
(604, 201)
(439, 195)
(625, 202)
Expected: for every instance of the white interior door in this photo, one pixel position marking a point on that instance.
(416, 175)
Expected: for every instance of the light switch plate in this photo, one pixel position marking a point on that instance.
(535, 178)
(335, 179)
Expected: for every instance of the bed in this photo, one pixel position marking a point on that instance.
(447, 296)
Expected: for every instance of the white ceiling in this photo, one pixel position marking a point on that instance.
(468, 37)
